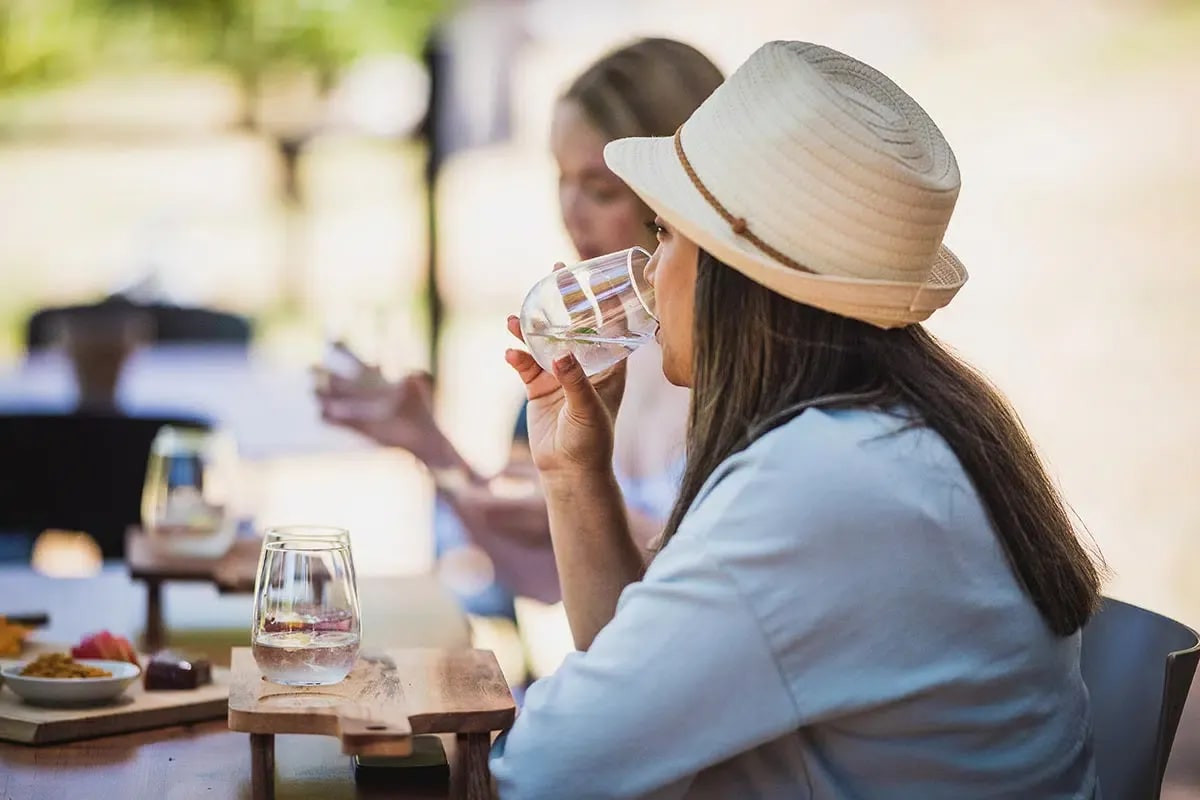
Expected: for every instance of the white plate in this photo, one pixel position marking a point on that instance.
(71, 691)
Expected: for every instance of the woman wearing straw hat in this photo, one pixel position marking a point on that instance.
(869, 586)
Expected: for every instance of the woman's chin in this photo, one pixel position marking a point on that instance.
(674, 375)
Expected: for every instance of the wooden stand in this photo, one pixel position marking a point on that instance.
(134, 710)
(153, 568)
(387, 699)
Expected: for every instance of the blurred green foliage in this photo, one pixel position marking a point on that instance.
(46, 41)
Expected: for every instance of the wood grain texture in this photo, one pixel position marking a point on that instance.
(472, 776)
(262, 766)
(134, 710)
(437, 691)
(366, 710)
(454, 691)
(204, 761)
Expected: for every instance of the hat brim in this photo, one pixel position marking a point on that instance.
(651, 168)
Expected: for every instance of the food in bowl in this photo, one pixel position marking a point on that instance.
(12, 638)
(54, 680)
(61, 665)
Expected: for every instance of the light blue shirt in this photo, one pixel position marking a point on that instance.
(834, 619)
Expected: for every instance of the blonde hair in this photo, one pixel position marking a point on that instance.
(648, 88)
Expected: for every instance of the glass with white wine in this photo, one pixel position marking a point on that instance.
(306, 627)
(601, 310)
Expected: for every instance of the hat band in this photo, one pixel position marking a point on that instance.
(739, 225)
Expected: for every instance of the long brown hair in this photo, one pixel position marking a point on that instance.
(647, 88)
(750, 378)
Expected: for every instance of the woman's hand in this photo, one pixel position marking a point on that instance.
(393, 414)
(570, 417)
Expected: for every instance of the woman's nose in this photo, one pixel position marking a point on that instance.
(651, 268)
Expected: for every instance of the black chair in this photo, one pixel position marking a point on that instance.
(170, 324)
(191, 325)
(1138, 667)
(80, 472)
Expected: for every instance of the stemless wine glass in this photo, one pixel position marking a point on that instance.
(187, 500)
(601, 310)
(306, 627)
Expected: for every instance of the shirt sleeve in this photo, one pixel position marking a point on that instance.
(653, 701)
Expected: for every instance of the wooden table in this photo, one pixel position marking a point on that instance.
(204, 760)
(154, 569)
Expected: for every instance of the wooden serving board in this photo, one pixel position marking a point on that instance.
(147, 563)
(135, 710)
(387, 698)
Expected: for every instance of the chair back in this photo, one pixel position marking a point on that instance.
(1138, 667)
(169, 324)
(80, 472)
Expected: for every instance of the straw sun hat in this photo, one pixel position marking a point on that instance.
(816, 176)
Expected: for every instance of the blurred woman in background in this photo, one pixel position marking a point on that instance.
(647, 88)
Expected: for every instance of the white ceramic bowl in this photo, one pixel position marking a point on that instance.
(72, 691)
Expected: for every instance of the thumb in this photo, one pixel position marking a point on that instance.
(583, 402)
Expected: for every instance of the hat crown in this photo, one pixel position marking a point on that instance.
(828, 162)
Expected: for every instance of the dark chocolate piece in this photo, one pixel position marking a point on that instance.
(171, 671)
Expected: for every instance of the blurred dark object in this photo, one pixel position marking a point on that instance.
(435, 58)
(469, 56)
(27, 620)
(426, 767)
(98, 341)
(1138, 667)
(82, 472)
(170, 671)
(169, 324)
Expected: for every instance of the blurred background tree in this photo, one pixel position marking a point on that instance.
(46, 41)
(284, 55)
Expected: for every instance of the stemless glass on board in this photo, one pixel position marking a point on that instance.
(601, 310)
(306, 626)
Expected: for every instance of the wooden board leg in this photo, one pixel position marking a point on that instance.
(472, 779)
(156, 633)
(262, 766)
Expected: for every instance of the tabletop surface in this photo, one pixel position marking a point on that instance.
(204, 760)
